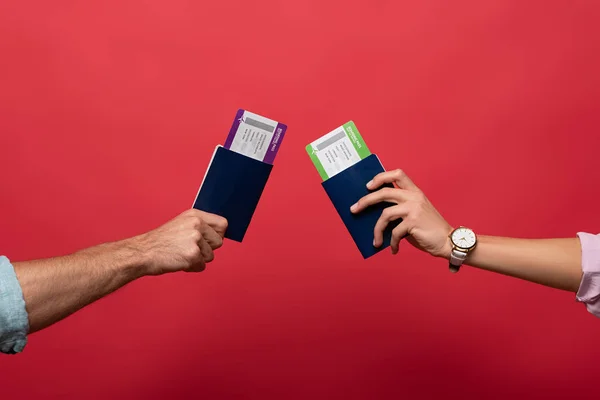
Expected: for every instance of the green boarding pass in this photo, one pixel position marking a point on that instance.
(339, 149)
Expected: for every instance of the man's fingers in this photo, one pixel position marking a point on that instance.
(385, 194)
(388, 215)
(198, 267)
(214, 239)
(397, 176)
(206, 255)
(218, 223)
(206, 250)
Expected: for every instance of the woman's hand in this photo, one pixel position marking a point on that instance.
(423, 225)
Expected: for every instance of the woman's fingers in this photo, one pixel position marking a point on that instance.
(397, 176)
(397, 234)
(388, 215)
(385, 194)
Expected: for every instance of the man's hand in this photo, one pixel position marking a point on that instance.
(54, 288)
(185, 243)
(427, 230)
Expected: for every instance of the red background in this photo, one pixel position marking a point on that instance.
(109, 113)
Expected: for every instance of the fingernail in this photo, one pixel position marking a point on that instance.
(353, 208)
(375, 243)
(369, 184)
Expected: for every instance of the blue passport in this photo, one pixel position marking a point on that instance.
(346, 188)
(232, 188)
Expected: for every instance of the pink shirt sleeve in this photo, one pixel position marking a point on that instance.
(589, 289)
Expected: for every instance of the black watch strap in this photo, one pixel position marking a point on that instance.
(454, 268)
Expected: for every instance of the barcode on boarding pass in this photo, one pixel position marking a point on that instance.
(259, 125)
(329, 141)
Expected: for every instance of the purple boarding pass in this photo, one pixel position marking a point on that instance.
(255, 136)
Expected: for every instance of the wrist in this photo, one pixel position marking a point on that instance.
(132, 259)
(446, 251)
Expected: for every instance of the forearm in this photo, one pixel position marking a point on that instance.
(57, 287)
(550, 262)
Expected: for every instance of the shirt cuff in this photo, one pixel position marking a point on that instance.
(589, 288)
(14, 321)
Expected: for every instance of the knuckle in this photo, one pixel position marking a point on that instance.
(209, 257)
(192, 213)
(198, 222)
(196, 236)
(218, 243)
(417, 196)
(417, 209)
(387, 191)
(396, 235)
(386, 214)
(219, 223)
(193, 252)
(413, 214)
(398, 173)
(224, 223)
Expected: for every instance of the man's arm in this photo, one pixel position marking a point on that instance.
(57, 287)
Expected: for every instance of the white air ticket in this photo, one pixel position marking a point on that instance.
(339, 149)
(255, 136)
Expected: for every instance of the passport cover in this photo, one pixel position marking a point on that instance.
(349, 186)
(232, 188)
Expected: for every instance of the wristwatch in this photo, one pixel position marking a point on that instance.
(463, 241)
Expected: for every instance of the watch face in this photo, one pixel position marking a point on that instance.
(463, 238)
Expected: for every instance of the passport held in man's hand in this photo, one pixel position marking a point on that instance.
(238, 172)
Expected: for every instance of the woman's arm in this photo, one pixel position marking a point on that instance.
(552, 262)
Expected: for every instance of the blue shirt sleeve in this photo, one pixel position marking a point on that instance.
(14, 321)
